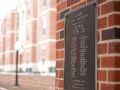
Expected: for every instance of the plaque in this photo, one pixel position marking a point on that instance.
(80, 49)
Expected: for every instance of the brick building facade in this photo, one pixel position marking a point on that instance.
(108, 56)
(36, 35)
(8, 32)
(27, 11)
(46, 36)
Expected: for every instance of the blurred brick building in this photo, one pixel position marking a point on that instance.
(46, 36)
(32, 27)
(7, 40)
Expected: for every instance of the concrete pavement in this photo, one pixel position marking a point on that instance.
(27, 82)
(3, 88)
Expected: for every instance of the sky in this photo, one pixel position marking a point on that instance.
(6, 5)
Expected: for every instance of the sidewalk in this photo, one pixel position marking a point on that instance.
(27, 82)
(3, 88)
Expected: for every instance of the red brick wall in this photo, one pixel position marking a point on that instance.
(8, 37)
(3, 31)
(52, 51)
(108, 57)
(31, 30)
(34, 8)
(33, 54)
(52, 25)
(11, 56)
(12, 21)
(12, 38)
(34, 32)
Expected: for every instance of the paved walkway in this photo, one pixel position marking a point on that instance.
(27, 82)
(3, 88)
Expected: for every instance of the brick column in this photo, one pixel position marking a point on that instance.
(108, 57)
(109, 45)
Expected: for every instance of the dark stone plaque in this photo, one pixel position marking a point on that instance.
(79, 72)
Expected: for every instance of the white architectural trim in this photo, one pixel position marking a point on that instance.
(30, 20)
(3, 88)
(46, 11)
(30, 45)
(46, 41)
(9, 32)
(7, 52)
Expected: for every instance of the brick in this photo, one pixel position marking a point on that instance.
(109, 34)
(101, 1)
(98, 86)
(114, 47)
(62, 34)
(62, 54)
(105, 62)
(33, 54)
(110, 87)
(102, 48)
(59, 83)
(117, 6)
(106, 8)
(60, 74)
(98, 37)
(114, 19)
(60, 64)
(110, 62)
(110, 7)
(102, 23)
(57, 16)
(60, 25)
(60, 44)
(71, 2)
(114, 76)
(61, 6)
(11, 23)
(57, 54)
(12, 37)
(57, 45)
(101, 75)
(57, 36)
(11, 58)
(57, 73)
(77, 6)
(58, 1)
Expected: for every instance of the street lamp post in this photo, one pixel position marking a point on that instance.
(16, 78)
(17, 48)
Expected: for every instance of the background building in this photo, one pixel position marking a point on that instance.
(8, 32)
(33, 25)
(46, 37)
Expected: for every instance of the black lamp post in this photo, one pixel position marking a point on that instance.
(17, 48)
(16, 77)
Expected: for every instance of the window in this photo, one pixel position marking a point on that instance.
(29, 70)
(7, 24)
(43, 50)
(51, 69)
(44, 25)
(28, 7)
(43, 61)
